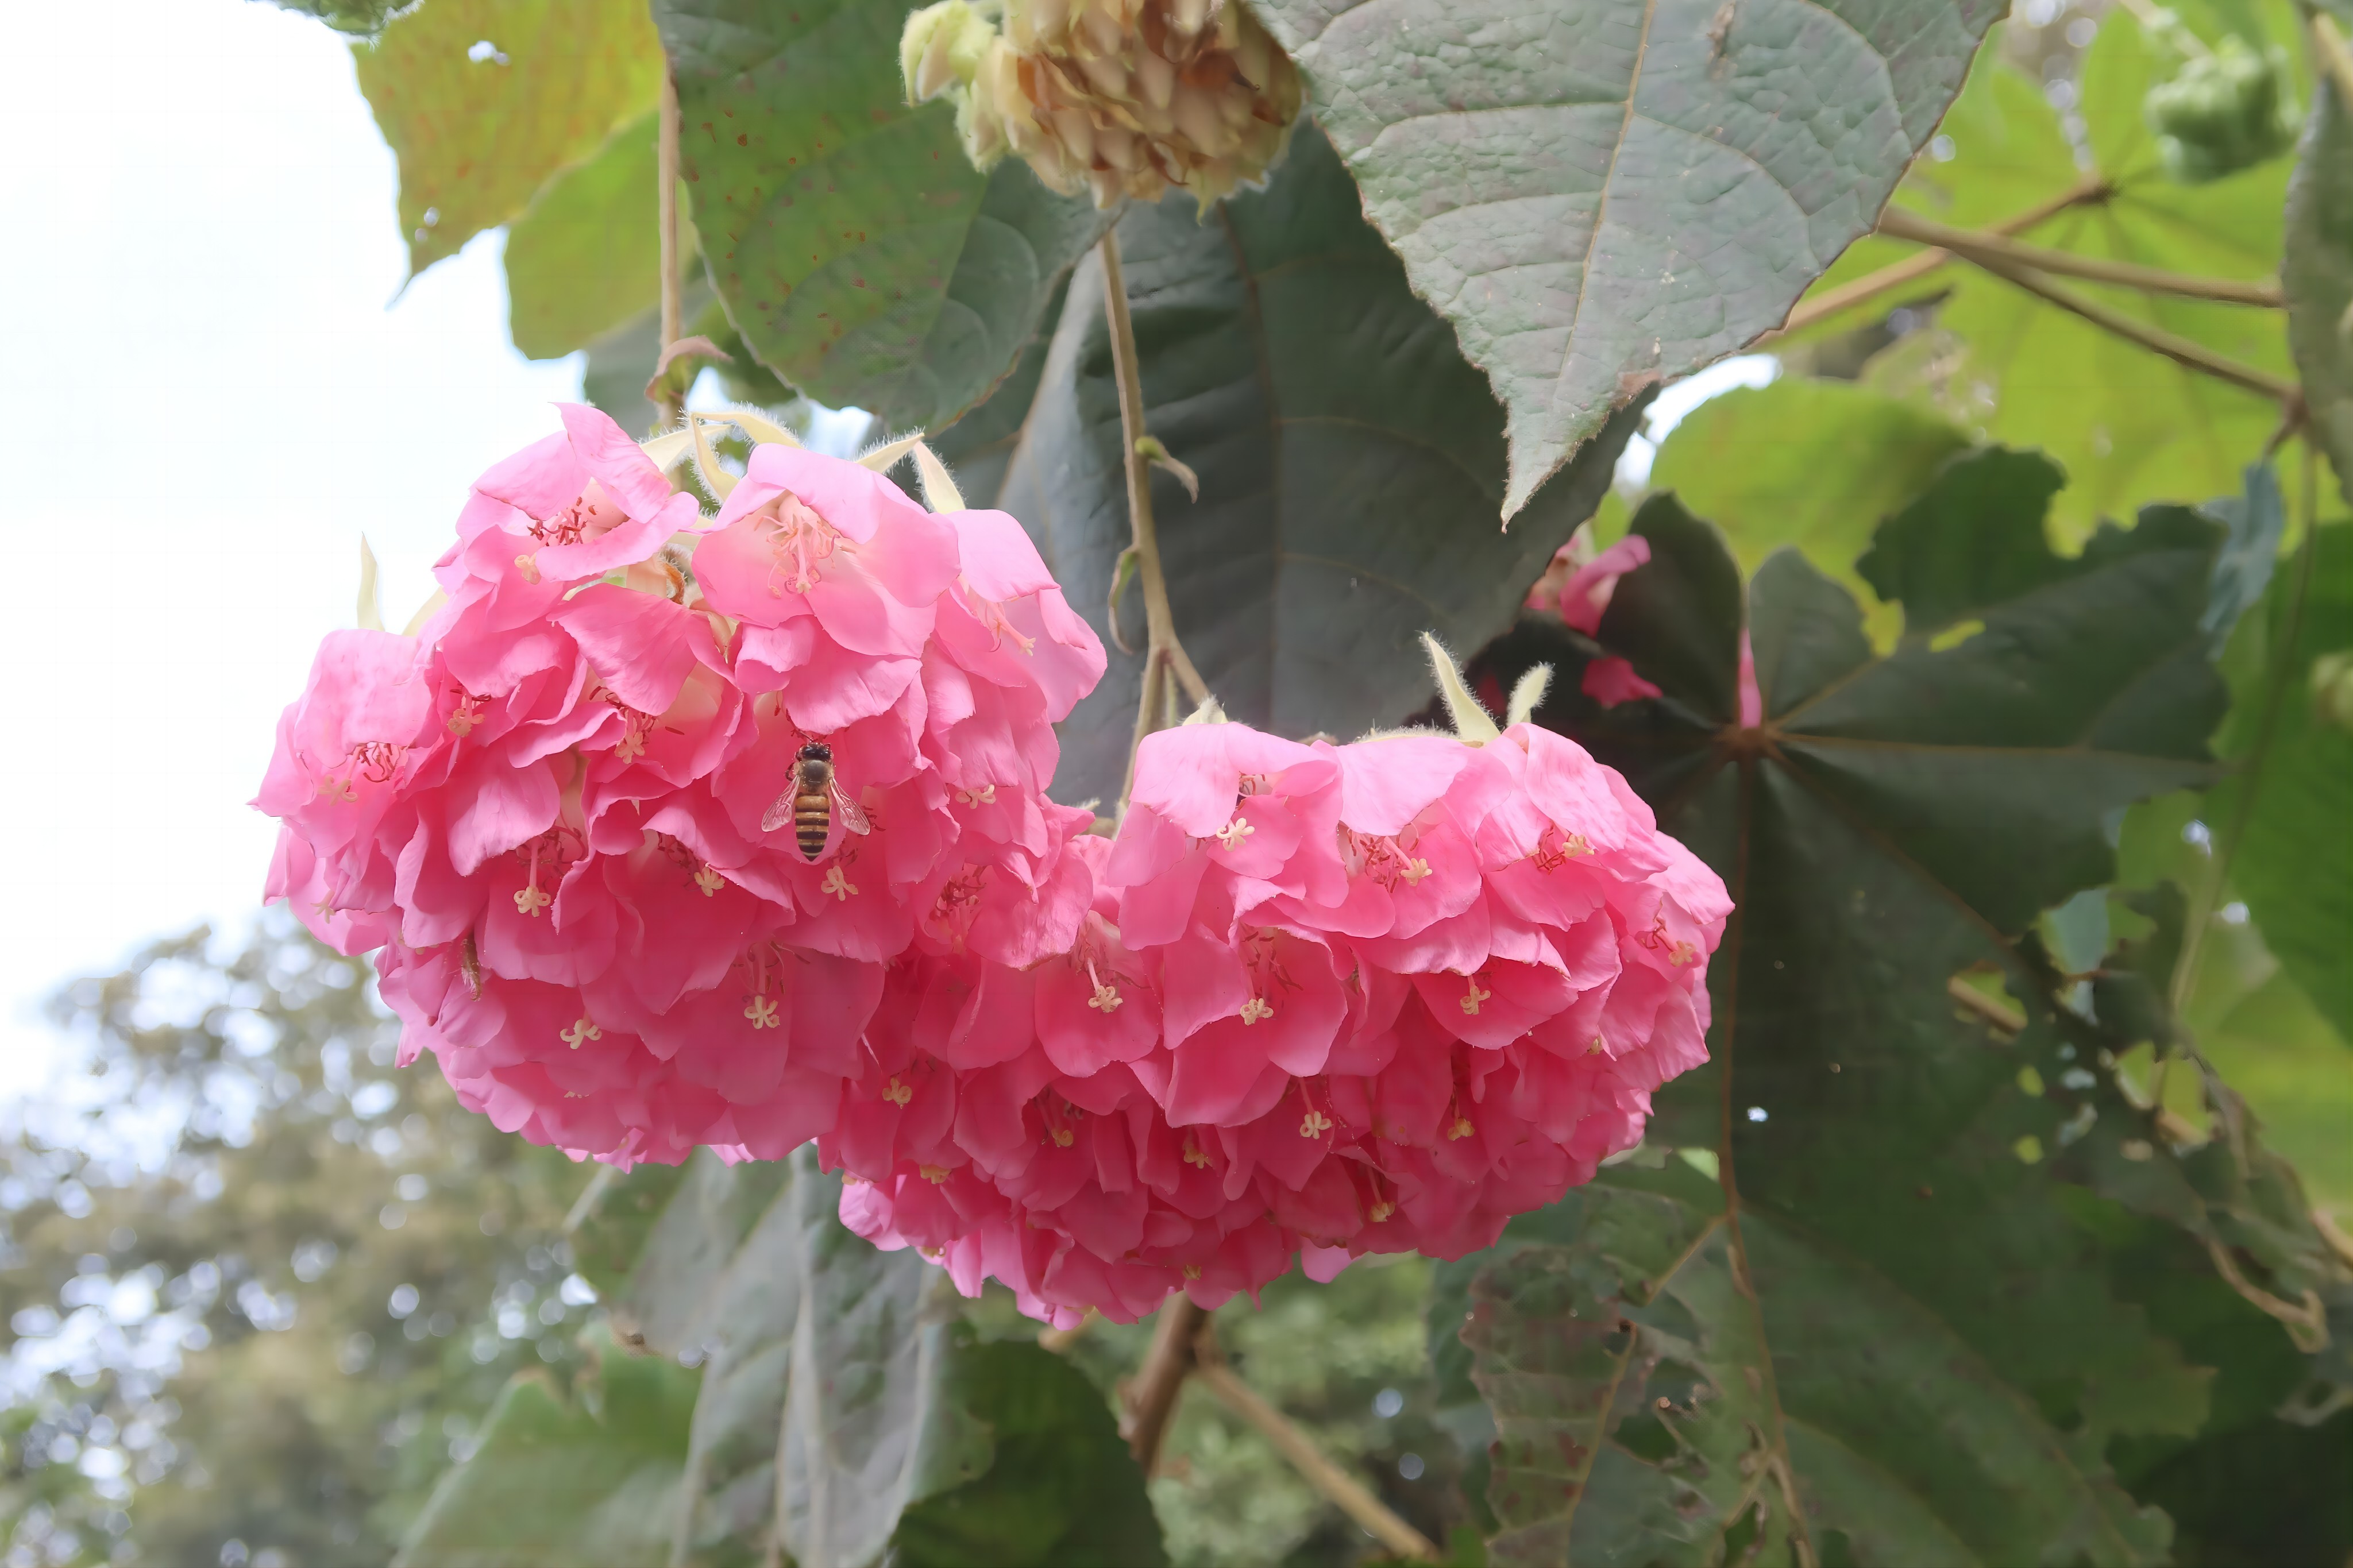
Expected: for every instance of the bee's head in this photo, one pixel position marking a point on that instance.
(817, 752)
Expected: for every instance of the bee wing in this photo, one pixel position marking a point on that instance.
(780, 814)
(848, 812)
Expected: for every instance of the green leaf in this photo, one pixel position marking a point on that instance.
(2294, 861)
(1059, 1489)
(2317, 274)
(1602, 197)
(2126, 425)
(832, 1369)
(591, 1481)
(1817, 464)
(859, 253)
(1351, 464)
(587, 257)
(478, 129)
(1935, 1350)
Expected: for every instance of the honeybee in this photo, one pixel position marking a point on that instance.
(812, 801)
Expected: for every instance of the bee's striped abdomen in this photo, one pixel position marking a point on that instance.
(812, 822)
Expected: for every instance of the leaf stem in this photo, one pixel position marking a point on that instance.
(1163, 656)
(1900, 225)
(1871, 285)
(673, 403)
(1151, 1398)
(2181, 349)
(1317, 1467)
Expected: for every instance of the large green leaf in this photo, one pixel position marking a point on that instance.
(842, 1412)
(1936, 1354)
(2294, 792)
(1603, 195)
(587, 257)
(859, 253)
(1816, 464)
(591, 1481)
(2127, 425)
(2317, 273)
(1351, 464)
(483, 99)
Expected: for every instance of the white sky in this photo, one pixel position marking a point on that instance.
(209, 396)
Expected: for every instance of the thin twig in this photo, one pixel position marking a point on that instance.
(1345, 1491)
(1871, 285)
(2181, 349)
(673, 403)
(1151, 1396)
(1164, 655)
(2336, 57)
(1900, 225)
(2008, 1019)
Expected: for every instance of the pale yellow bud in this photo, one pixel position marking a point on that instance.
(942, 48)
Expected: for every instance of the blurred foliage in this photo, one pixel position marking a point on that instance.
(259, 1284)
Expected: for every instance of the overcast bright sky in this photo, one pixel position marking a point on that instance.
(210, 397)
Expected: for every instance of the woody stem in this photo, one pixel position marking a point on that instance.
(1151, 1396)
(1164, 655)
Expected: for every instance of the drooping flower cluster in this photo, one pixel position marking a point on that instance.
(1328, 999)
(1114, 97)
(556, 806)
(675, 831)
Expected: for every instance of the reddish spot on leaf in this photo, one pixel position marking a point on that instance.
(742, 140)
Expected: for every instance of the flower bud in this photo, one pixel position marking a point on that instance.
(1114, 97)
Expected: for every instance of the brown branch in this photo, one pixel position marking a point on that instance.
(1151, 1398)
(1317, 1467)
(2181, 349)
(1895, 275)
(2000, 1014)
(1898, 224)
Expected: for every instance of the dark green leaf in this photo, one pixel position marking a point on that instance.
(1351, 466)
(831, 1369)
(586, 1482)
(484, 99)
(1059, 1486)
(2317, 273)
(1936, 1352)
(858, 251)
(1601, 197)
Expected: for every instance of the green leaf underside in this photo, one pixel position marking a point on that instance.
(591, 1481)
(2126, 425)
(859, 253)
(587, 257)
(830, 1365)
(1941, 1353)
(1351, 463)
(477, 137)
(1601, 197)
(2317, 273)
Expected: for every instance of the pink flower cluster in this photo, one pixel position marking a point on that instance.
(1310, 999)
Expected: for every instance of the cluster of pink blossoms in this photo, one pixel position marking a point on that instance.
(1310, 999)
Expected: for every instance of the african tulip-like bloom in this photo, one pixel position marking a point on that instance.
(1328, 1001)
